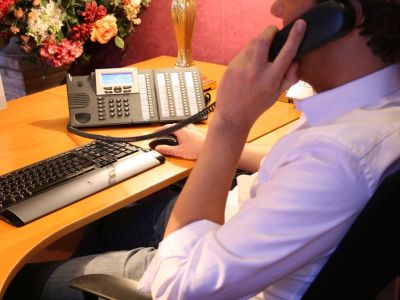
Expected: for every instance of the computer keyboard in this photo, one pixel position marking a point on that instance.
(45, 186)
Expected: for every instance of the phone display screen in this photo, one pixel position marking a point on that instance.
(116, 78)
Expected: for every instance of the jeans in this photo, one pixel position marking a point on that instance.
(105, 248)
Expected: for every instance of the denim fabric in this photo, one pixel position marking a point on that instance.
(140, 225)
(129, 264)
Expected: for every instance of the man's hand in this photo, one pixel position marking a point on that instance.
(251, 84)
(191, 140)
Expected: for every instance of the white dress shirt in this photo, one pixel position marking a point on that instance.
(294, 211)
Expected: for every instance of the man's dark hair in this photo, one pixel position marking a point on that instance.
(381, 26)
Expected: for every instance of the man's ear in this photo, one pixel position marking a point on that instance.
(358, 11)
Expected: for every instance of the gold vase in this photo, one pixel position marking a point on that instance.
(183, 13)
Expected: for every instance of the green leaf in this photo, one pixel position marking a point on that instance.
(119, 42)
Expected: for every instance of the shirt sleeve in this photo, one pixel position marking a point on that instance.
(300, 212)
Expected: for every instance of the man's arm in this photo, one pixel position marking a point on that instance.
(249, 87)
(251, 157)
(191, 140)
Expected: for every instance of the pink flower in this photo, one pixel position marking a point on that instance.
(5, 6)
(59, 54)
(93, 12)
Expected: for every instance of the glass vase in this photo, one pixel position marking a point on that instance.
(183, 14)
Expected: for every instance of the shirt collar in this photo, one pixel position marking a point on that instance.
(329, 105)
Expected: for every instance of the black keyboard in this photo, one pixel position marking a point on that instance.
(43, 187)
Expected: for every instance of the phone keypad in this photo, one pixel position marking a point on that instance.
(112, 107)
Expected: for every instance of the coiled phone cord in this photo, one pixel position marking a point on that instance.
(163, 132)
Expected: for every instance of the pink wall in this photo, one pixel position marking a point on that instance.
(222, 28)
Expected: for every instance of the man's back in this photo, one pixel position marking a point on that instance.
(333, 163)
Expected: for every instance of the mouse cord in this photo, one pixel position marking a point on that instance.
(163, 132)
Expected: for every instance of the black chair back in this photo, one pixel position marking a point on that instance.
(368, 257)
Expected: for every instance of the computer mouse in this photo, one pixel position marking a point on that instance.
(170, 140)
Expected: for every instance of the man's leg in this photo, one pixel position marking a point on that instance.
(50, 280)
(140, 225)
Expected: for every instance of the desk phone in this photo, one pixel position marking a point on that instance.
(131, 96)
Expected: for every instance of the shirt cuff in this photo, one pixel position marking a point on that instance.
(177, 244)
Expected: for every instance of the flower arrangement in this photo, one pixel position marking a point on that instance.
(58, 30)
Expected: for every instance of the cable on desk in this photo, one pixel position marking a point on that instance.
(163, 132)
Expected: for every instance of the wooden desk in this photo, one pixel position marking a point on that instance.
(34, 127)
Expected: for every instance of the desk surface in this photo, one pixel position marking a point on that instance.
(34, 128)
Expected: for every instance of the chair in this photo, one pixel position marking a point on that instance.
(368, 257)
(365, 262)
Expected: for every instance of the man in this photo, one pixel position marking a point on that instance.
(311, 185)
(308, 189)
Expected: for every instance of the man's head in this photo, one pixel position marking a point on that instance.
(372, 44)
(380, 24)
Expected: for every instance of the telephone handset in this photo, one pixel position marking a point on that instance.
(325, 22)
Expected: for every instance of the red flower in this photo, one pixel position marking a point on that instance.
(5, 7)
(58, 54)
(81, 32)
(93, 12)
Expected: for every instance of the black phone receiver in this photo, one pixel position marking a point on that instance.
(325, 22)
